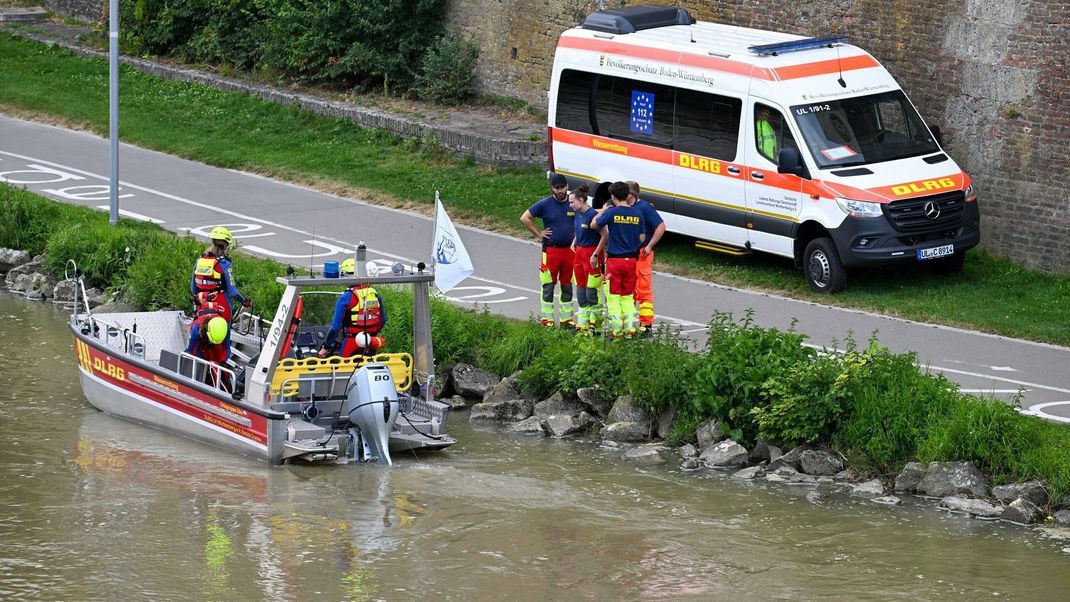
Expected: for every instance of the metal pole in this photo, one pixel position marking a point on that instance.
(113, 104)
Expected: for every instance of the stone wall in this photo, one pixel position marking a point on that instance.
(992, 73)
(88, 10)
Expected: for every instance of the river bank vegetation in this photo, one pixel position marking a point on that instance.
(877, 408)
(240, 132)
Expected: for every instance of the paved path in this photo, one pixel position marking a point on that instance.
(303, 226)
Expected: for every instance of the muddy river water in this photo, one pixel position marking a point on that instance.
(95, 508)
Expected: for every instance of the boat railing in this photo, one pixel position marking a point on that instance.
(112, 335)
(251, 325)
(207, 372)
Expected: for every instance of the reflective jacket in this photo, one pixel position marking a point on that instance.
(213, 274)
(365, 311)
(359, 309)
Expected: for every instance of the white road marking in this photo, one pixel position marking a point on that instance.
(331, 250)
(1038, 410)
(132, 215)
(1002, 368)
(89, 193)
(242, 229)
(993, 391)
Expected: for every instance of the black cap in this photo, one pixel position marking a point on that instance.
(557, 180)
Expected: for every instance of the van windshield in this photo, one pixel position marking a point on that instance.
(863, 130)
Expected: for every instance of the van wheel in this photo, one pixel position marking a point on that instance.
(822, 267)
(950, 265)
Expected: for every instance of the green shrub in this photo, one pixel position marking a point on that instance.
(103, 252)
(29, 219)
(657, 372)
(345, 42)
(161, 276)
(891, 404)
(517, 346)
(806, 402)
(541, 377)
(447, 72)
(596, 364)
(984, 431)
(730, 375)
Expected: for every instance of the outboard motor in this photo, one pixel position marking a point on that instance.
(371, 406)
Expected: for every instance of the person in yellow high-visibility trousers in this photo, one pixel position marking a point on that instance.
(622, 231)
(586, 279)
(557, 256)
(644, 267)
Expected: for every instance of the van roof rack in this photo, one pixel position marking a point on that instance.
(796, 45)
(630, 19)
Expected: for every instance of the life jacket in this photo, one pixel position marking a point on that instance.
(208, 275)
(202, 347)
(215, 302)
(364, 313)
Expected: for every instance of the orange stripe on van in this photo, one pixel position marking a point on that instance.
(666, 56)
(816, 188)
(617, 147)
(847, 63)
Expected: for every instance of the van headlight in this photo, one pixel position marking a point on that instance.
(971, 194)
(859, 208)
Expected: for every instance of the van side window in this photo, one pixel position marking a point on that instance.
(636, 111)
(575, 103)
(707, 124)
(771, 133)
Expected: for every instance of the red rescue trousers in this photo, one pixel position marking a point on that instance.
(644, 294)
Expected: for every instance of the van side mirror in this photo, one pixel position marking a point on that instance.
(935, 129)
(789, 161)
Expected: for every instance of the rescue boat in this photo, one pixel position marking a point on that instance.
(275, 400)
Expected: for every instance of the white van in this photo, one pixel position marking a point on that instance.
(756, 140)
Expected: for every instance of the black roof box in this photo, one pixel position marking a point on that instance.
(630, 19)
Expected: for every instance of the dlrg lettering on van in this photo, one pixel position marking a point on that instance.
(752, 140)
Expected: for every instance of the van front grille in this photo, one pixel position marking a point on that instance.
(910, 215)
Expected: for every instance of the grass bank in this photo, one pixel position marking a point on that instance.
(237, 131)
(875, 407)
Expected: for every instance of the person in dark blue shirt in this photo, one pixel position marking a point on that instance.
(622, 232)
(557, 256)
(586, 279)
(644, 267)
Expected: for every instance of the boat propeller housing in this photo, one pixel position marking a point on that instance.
(371, 406)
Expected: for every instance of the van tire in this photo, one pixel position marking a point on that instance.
(822, 268)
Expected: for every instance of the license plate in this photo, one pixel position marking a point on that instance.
(936, 252)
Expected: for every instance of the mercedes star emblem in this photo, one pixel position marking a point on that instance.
(932, 210)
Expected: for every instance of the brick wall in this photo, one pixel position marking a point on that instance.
(992, 73)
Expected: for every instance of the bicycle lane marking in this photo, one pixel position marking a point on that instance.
(75, 173)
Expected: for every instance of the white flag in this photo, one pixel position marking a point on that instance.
(452, 263)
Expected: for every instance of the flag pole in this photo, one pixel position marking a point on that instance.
(434, 233)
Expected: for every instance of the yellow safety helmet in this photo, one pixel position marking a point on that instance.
(348, 266)
(217, 330)
(221, 233)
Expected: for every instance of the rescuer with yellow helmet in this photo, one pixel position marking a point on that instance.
(213, 279)
(209, 334)
(213, 274)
